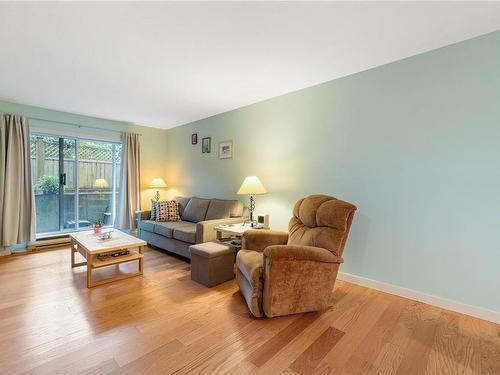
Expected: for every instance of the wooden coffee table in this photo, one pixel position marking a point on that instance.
(90, 245)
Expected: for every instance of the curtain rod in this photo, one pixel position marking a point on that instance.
(73, 124)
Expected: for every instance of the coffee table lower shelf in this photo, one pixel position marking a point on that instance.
(134, 255)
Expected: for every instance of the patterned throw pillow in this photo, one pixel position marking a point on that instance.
(168, 211)
(154, 210)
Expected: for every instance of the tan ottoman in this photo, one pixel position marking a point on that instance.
(211, 263)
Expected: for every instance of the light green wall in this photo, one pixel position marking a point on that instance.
(152, 140)
(414, 144)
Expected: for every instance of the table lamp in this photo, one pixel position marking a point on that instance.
(156, 184)
(251, 186)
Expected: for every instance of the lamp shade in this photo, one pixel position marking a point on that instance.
(101, 183)
(157, 183)
(252, 186)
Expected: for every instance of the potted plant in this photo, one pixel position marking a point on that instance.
(48, 185)
(98, 226)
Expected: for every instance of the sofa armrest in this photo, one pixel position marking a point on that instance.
(142, 215)
(278, 253)
(205, 231)
(259, 239)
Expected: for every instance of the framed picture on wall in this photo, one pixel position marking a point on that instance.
(226, 150)
(205, 145)
(194, 138)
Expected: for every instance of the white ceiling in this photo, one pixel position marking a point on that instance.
(166, 64)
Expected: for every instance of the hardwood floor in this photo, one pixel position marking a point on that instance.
(164, 323)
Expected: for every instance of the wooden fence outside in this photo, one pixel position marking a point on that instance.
(88, 172)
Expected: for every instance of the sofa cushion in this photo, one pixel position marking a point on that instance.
(186, 233)
(167, 228)
(183, 201)
(146, 225)
(196, 210)
(223, 209)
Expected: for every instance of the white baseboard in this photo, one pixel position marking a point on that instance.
(478, 312)
(4, 252)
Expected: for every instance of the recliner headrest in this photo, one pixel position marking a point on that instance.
(323, 211)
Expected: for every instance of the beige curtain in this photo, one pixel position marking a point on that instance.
(129, 197)
(17, 205)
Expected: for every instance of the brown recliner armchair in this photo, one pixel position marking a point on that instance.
(280, 273)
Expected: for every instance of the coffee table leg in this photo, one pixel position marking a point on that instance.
(90, 261)
(72, 253)
(141, 260)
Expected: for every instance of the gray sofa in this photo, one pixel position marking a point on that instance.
(199, 217)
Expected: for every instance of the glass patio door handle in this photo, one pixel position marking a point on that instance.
(62, 179)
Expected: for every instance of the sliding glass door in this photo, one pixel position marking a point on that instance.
(97, 182)
(75, 182)
(45, 174)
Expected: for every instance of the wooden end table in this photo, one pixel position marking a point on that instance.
(234, 230)
(90, 246)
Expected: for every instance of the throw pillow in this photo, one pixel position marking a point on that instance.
(154, 210)
(168, 211)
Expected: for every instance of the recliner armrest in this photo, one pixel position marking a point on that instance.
(142, 215)
(297, 279)
(300, 253)
(259, 239)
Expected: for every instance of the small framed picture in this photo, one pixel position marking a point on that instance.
(194, 138)
(226, 150)
(205, 145)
